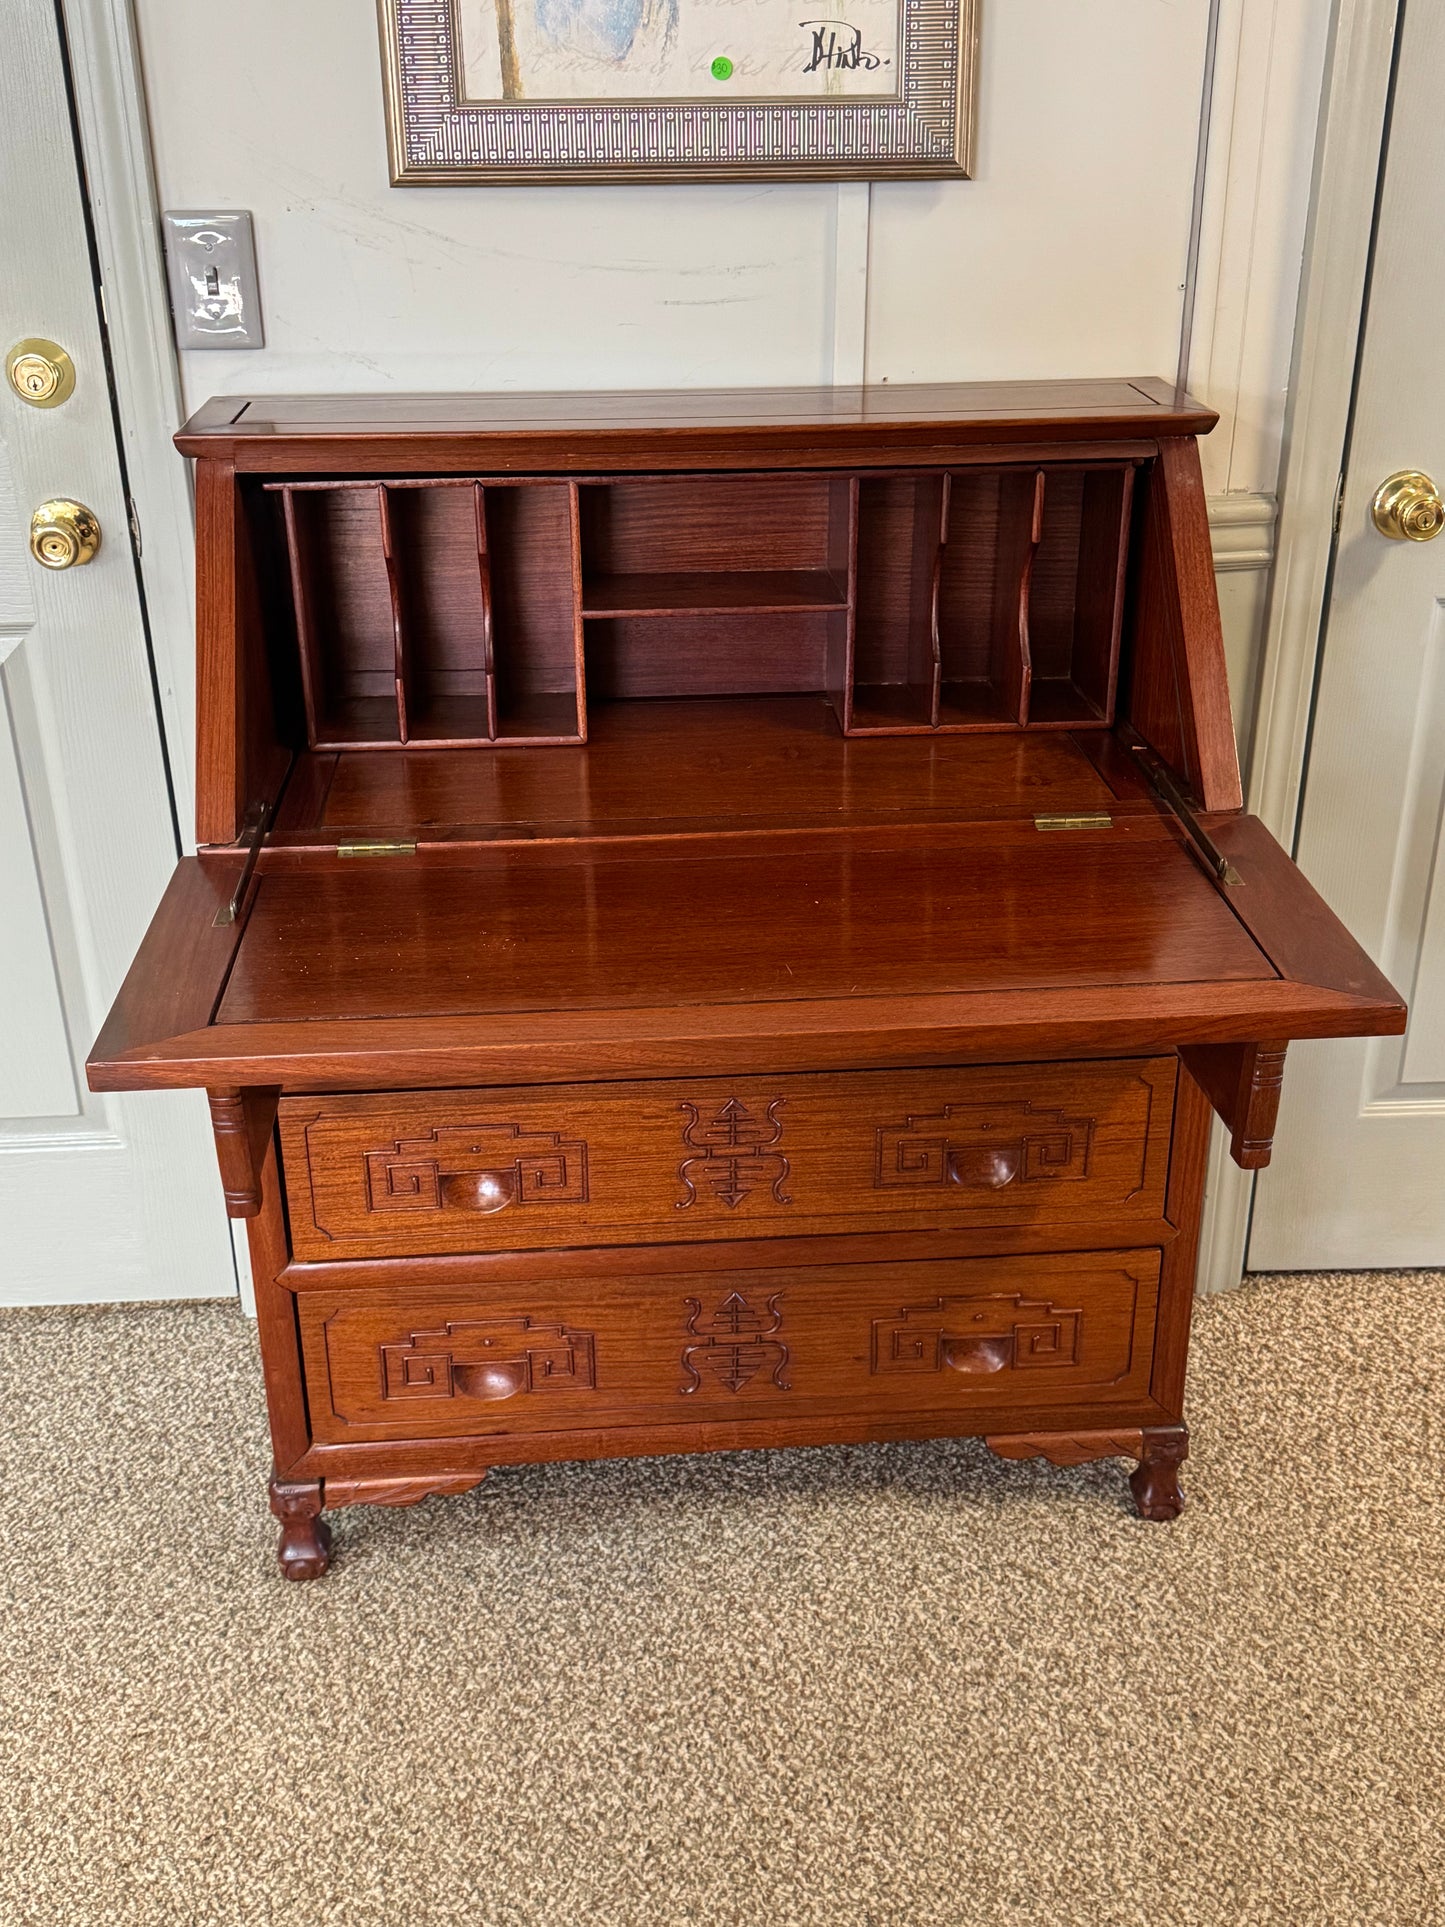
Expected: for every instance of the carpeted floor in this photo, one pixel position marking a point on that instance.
(874, 1687)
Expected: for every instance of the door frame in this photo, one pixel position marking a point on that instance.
(112, 124)
(114, 134)
(1349, 159)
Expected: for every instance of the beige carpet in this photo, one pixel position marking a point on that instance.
(877, 1687)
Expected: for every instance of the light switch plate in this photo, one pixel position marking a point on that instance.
(215, 297)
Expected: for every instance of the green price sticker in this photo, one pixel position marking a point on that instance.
(722, 68)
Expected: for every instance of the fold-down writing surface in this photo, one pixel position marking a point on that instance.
(935, 911)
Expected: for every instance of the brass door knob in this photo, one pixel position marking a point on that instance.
(63, 535)
(1407, 507)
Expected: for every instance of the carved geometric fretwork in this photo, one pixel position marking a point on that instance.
(734, 1344)
(476, 1167)
(983, 1146)
(974, 1335)
(490, 1358)
(732, 1154)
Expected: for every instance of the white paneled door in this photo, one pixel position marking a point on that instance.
(1358, 1177)
(99, 1198)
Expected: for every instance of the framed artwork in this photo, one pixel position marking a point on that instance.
(515, 91)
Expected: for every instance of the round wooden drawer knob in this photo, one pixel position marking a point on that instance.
(984, 1167)
(976, 1356)
(504, 1379)
(479, 1190)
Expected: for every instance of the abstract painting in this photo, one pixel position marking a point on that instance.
(575, 90)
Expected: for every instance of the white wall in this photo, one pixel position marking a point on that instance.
(1064, 256)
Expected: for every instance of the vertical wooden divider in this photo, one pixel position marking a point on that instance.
(843, 553)
(401, 666)
(1012, 666)
(305, 627)
(1121, 574)
(484, 584)
(935, 597)
(574, 501)
(1036, 535)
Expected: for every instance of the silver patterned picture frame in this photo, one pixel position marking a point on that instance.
(510, 92)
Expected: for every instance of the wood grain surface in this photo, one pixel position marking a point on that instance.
(889, 1340)
(631, 1163)
(693, 428)
(957, 911)
(709, 767)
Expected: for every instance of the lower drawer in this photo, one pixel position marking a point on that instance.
(883, 1340)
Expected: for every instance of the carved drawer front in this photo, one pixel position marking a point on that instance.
(1022, 1335)
(520, 1168)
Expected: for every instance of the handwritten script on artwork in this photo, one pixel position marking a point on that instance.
(718, 51)
(838, 47)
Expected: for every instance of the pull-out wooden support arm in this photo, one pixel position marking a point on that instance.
(243, 1122)
(1242, 1082)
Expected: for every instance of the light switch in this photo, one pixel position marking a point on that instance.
(215, 297)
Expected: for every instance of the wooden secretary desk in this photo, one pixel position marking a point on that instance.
(719, 921)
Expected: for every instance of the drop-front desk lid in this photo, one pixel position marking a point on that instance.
(536, 919)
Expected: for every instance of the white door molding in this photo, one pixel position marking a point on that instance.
(1348, 145)
(1263, 108)
(115, 143)
(1241, 530)
(1327, 334)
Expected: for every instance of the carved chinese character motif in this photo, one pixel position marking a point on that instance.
(976, 1335)
(983, 1147)
(490, 1358)
(732, 1153)
(476, 1167)
(734, 1344)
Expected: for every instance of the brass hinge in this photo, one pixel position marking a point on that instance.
(375, 846)
(1083, 820)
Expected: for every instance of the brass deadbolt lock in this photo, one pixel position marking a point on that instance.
(41, 373)
(1407, 507)
(63, 535)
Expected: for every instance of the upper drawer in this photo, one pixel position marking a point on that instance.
(520, 1167)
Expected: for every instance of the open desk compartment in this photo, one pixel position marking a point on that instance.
(457, 612)
(436, 612)
(989, 598)
(717, 586)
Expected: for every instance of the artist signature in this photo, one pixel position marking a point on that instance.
(838, 46)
